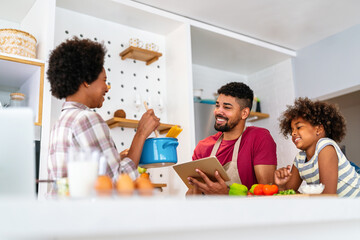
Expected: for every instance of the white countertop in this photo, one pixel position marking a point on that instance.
(178, 218)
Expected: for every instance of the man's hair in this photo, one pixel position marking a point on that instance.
(72, 63)
(243, 94)
(316, 113)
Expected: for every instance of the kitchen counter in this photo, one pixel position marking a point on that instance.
(178, 218)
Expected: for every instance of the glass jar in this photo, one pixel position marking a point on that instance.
(17, 100)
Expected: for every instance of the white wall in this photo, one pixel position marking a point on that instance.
(210, 79)
(274, 87)
(349, 106)
(8, 24)
(128, 78)
(329, 66)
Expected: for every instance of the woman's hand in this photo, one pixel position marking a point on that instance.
(124, 154)
(148, 123)
(282, 176)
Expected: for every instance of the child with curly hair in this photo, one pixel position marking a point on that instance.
(315, 128)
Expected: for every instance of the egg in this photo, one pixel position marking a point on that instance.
(125, 185)
(144, 186)
(103, 185)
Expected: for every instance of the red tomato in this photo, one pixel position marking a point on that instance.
(250, 194)
(259, 189)
(270, 189)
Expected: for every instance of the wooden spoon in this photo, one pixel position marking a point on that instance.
(155, 131)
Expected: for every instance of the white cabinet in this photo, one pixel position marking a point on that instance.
(226, 51)
(26, 74)
(38, 18)
(220, 57)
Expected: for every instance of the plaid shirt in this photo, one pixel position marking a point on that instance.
(78, 126)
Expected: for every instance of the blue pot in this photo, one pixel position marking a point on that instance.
(159, 152)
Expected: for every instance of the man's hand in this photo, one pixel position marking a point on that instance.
(210, 187)
(193, 191)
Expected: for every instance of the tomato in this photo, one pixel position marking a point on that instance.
(252, 188)
(250, 194)
(259, 189)
(270, 189)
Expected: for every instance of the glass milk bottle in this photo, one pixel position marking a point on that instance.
(82, 171)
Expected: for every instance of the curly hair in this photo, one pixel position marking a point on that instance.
(73, 62)
(316, 113)
(240, 91)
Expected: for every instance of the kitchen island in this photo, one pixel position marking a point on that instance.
(179, 218)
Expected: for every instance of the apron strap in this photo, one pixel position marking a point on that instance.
(216, 146)
(230, 167)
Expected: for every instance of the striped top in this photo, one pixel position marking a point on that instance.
(78, 126)
(348, 180)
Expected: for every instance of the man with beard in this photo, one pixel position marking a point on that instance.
(248, 154)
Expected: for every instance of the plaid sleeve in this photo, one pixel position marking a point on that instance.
(129, 167)
(92, 131)
(57, 155)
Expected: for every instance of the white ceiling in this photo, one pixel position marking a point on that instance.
(292, 24)
(228, 54)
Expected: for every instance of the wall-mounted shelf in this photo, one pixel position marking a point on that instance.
(130, 123)
(256, 116)
(140, 54)
(25, 75)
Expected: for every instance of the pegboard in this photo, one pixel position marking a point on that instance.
(131, 80)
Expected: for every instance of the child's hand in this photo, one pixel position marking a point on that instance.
(282, 176)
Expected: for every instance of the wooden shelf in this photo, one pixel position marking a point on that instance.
(130, 123)
(140, 54)
(159, 185)
(256, 116)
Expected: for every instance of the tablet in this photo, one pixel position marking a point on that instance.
(207, 165)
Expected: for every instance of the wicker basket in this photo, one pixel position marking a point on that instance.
(17, 42)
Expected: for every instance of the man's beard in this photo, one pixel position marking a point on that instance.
(228, 125)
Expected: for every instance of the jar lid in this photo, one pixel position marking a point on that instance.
(17, 95)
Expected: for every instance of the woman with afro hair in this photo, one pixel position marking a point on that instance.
(315, 127)
(76, 73)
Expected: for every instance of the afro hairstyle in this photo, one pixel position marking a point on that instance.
(316, 113)
(72, 63)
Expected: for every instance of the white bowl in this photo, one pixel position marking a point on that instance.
(312, 188)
